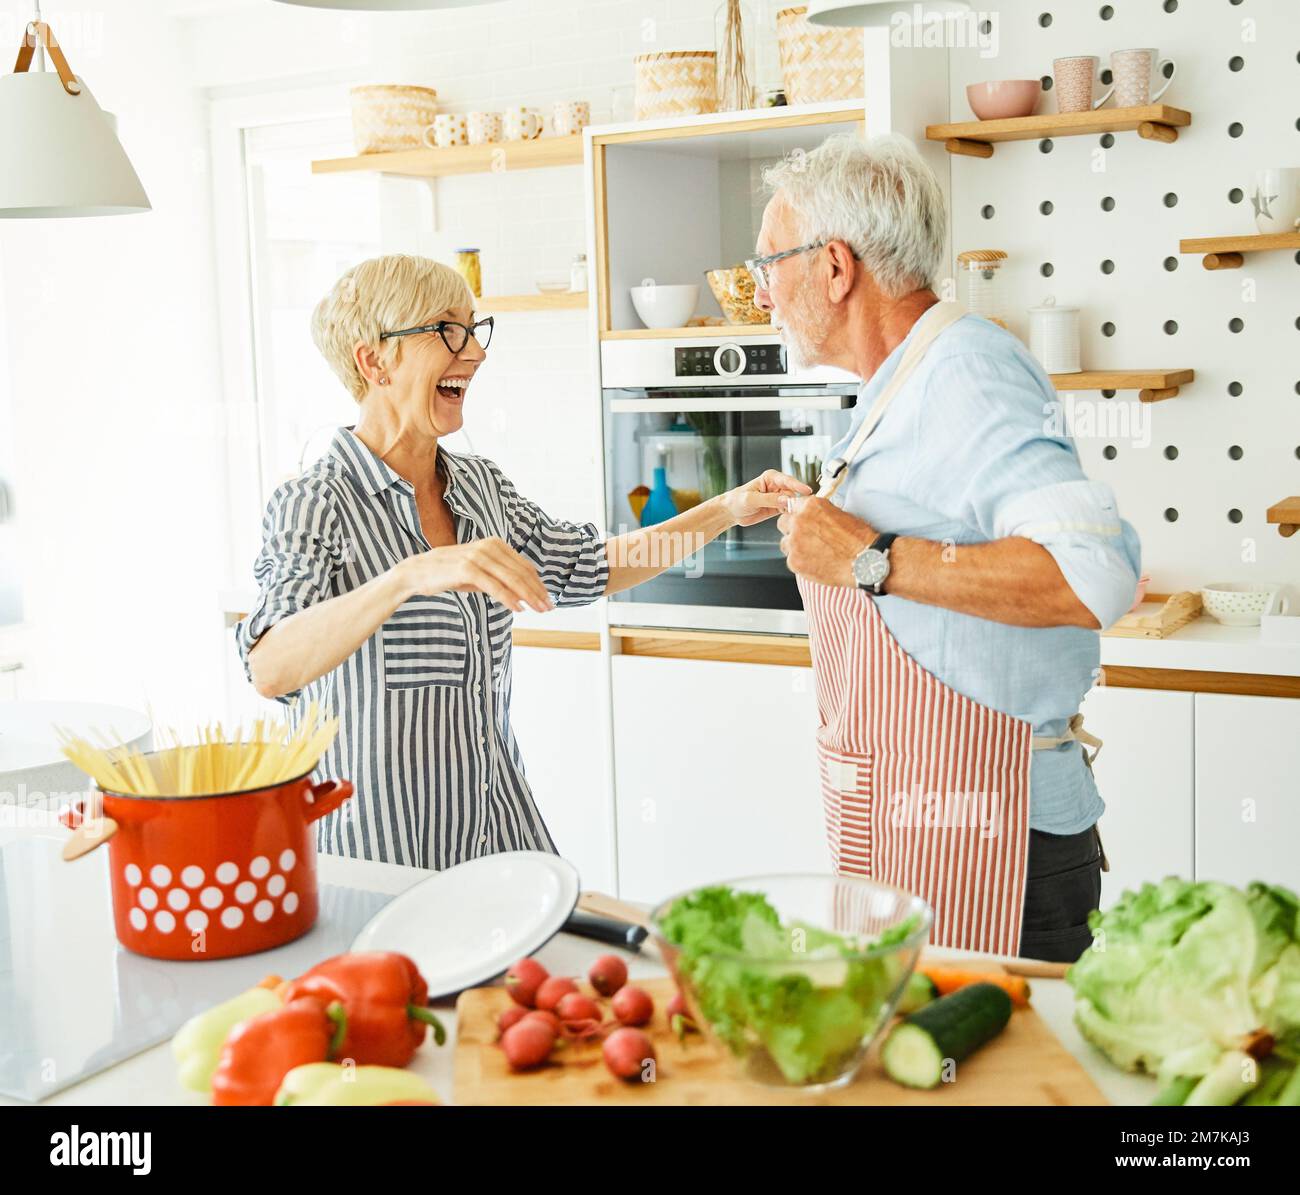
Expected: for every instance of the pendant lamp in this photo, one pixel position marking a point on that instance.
(859, 13)
(387, 5)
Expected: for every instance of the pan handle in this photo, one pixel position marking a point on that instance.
(326, 797)
(87, 832)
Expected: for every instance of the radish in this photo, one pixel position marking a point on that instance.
(527, 1044)
(679, 1016)
(512, 1016)
(552, 991)
(523, 980)
(626, 1053)
(546, 1018)
(574, 1006)
(608, 973)
(632, 1006)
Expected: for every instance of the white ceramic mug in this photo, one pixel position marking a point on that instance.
(570, 116)
(1134, 74)
(484, 128)
(523, 124)
(1054, 337)
(1277, 199)
(448, 129)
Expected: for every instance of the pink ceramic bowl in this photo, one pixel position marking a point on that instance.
(1004, 98)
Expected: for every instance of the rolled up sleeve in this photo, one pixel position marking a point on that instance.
(301, 553)
(570, 558)
(996, 456)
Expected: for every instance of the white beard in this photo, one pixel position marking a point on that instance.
(796, 326)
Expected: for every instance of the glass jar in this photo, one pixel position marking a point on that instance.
(471, 269)
(981, 286)
(578, 274)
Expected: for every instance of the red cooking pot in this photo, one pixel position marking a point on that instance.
(210, 877)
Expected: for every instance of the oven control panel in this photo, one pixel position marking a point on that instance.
(729, 360)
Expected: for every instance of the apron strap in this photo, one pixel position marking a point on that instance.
(1074, 733)
(930, 325)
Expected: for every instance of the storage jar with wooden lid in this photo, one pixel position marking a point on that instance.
(676, 83)
(980, 283)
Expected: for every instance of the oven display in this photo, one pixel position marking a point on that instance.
(734, 360)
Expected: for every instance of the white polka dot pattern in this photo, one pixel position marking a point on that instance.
(161, 875)
(179, 899)
(196, 920)
(287, 860)
(148, 898)
(232, 917)
(291, 902)
(211, 898)
(137, 919)
(259, 867)
(262, 910)
(227, 873)
(164, 922)
(275, 885)
(193, 877)
(246, 893)
(133, 875)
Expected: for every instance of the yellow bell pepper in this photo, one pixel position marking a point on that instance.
(329, 1085)
(197, 1044)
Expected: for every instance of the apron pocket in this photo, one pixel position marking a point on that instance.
(424, 644)
(1061, 902)
(1057, 945)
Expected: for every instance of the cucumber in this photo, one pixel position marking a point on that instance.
(919, 991)
(952, 1028)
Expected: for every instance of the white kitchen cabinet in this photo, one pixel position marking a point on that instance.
(1145, 775)
(716, 771)
(558, 708)
(1248, 789)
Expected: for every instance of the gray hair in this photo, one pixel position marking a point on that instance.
(878, 196)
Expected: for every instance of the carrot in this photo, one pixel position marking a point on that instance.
(949, 979)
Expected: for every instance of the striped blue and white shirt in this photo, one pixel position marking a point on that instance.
(424, 704)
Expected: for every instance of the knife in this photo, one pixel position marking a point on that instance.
(606, 929)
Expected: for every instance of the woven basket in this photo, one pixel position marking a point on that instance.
(389, 116)
(817, 63)
(676, 83)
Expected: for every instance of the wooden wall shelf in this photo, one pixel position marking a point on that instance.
(1228, 253)
(1152, 385)
(975, 138)
(1286, 514)
(565, 301)
(463, 159)
(722, 331)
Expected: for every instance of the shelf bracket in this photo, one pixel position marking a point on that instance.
(1286, 514)
(1158, 395)
(1151, 130)
(1223, 261)
(966, 148)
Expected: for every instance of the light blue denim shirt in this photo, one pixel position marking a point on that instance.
(973, 448)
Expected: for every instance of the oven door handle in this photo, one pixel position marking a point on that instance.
(668, 406)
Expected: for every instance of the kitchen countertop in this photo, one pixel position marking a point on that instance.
(149, 1078)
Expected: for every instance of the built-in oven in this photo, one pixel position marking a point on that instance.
(687, 418)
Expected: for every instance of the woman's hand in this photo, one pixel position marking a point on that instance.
(488, 566)
(761, 498)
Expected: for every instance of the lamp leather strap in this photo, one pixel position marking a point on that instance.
(40, 30)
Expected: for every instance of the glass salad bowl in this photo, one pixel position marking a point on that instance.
(795, 975)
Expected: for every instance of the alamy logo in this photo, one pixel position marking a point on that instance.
(75, 1148)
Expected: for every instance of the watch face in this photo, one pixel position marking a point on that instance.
(871, 567)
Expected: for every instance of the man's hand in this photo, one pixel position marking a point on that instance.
(820, 541)
(761, 498)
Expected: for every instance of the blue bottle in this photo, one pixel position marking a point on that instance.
(660, 505)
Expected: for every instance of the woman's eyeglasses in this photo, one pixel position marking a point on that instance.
(455, 336)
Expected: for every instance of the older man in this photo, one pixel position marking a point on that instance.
(956, 567)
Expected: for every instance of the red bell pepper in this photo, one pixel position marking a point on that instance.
(260, 1051)
(385, 996)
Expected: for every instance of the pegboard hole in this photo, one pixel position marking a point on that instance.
(1171, 514)
(1106, 12)
(1107, 204)
(1236, 324)
(1171, 327)
(1235, 389)
(1047, 269)
(1044, 19)
(1236, 195)
(1109, 393)
(1171, 199)
(1171, 5)
(1236, 128)
(1171, 452)
(1110, 452)
(1171, 264)
(986, 27)
(1046, 82)
(1236, 62)
(1235, 453)
(1108, 329)
(1107, 140)
(1046, 145)
(1234, 515)
(1108, 266)
(1107, 77)
(987, 211)
(1047, 207)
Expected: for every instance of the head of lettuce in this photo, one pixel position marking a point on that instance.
(1181, 975)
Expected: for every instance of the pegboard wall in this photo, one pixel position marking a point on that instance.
(1096, 222)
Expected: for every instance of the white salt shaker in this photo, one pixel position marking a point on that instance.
(1054, 336)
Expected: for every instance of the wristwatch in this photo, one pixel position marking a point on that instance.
(871, 565)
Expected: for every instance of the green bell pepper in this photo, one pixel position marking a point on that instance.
(197, 1044)
(329, 1085)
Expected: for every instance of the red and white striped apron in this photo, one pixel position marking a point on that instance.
(923, 788)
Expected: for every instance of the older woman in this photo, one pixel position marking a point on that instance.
(390, 570)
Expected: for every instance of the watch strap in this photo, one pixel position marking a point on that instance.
(884, 541)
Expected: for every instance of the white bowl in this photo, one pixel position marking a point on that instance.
(1240, 604)
(662, 306)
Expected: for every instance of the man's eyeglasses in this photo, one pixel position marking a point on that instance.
(455, 336)
(759, 267)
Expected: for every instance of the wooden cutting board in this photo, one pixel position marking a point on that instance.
(1026, 1065)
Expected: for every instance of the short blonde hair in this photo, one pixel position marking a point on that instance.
(383, 294)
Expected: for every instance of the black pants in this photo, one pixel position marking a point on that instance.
(1062, 887)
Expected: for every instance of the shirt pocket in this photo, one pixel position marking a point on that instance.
(499, 623)
(424, 643)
